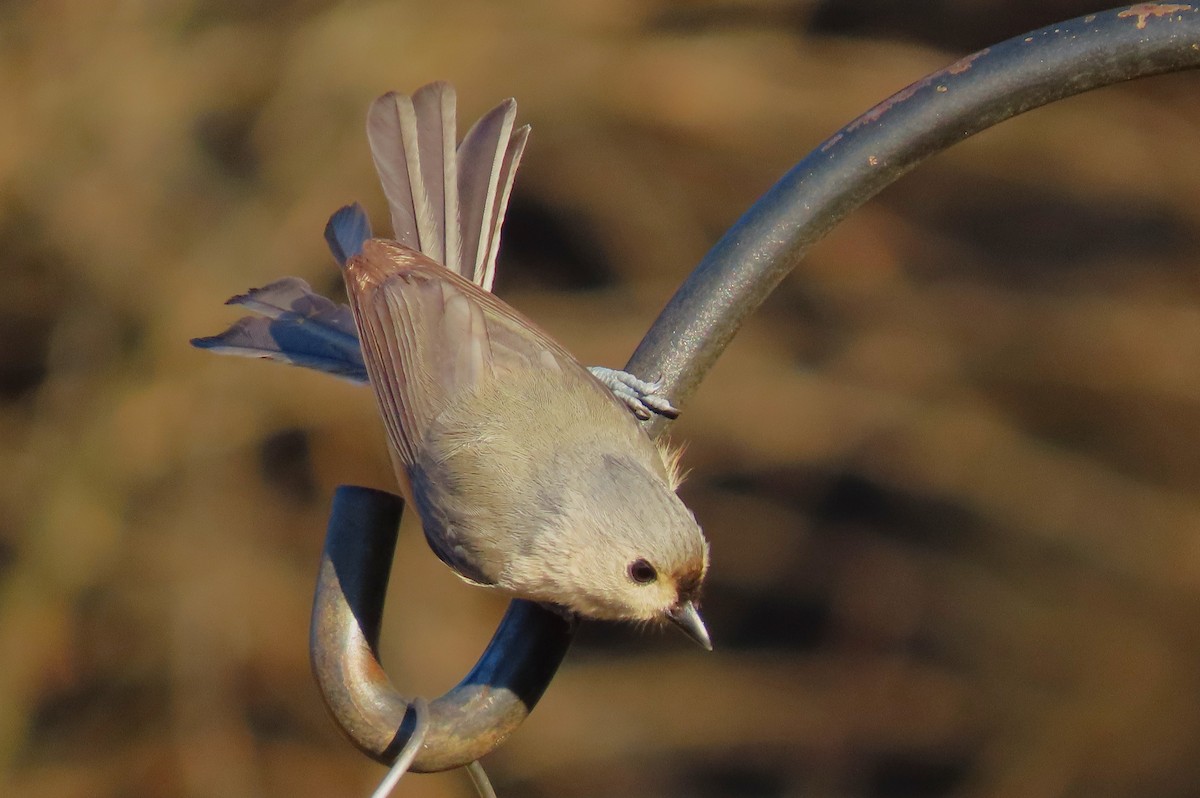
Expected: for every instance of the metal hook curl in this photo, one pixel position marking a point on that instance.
(468, 721)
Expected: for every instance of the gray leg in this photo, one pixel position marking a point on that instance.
(643, 398)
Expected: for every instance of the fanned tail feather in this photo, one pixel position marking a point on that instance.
(447, 203)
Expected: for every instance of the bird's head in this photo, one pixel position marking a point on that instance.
(626, 548)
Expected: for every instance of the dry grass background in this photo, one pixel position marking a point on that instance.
(950, 471)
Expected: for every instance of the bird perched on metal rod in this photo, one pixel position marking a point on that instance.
(529, 471)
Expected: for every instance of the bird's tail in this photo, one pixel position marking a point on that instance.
(446, 201)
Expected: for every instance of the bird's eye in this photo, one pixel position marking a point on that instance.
(642, 572)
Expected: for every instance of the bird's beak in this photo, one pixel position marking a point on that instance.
(686, 618)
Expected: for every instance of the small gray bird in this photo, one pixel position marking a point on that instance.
(528, 470)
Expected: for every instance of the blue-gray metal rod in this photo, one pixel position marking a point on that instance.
(870, 153)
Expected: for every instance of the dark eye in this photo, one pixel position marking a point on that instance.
(642, 572)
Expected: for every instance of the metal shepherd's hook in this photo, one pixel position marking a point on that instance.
(845, 171)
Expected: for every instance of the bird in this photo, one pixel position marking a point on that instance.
(530, 472)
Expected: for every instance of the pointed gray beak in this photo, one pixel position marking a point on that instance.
(686, 618)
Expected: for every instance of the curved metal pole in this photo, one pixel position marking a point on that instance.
(730, 283)
(465, 723)
(871, 152)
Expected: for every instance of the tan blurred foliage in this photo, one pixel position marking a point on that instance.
(950, 471)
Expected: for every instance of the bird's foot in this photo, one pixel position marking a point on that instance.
(641, 397)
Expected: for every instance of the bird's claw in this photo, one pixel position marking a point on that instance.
(641, 397)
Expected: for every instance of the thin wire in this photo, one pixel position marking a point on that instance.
(479, 778)
(408, 753)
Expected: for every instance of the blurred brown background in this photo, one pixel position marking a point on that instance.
(950, 471)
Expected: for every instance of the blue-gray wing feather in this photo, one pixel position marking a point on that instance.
(297, 326)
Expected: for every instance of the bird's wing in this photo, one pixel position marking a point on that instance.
(300, 327)
(429, 336)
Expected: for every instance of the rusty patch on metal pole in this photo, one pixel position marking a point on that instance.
(957, 68)
(1143, 11)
